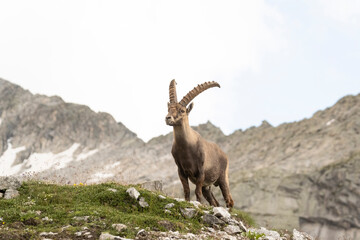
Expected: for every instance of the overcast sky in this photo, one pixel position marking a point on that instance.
(275, 60)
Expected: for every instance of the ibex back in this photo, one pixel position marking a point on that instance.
(203, 162)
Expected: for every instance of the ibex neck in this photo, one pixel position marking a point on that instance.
(183, 134)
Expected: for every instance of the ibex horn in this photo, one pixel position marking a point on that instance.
(172, 92)
(196, 91)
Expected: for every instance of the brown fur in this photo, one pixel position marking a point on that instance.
(203, 162)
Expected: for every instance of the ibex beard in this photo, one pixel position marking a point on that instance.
(203, 162)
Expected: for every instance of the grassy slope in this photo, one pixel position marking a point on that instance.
(22, 219)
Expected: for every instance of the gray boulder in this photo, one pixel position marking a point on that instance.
(9, 182)
(169, 205)
(188, 212)
(119, 226)
(301, 235)
(143, 203)
(212, 220)
(9, 186)
(108, 236)
(133, 193)
(221, 212)
(232, 229)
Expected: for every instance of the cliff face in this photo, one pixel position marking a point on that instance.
(303, 174)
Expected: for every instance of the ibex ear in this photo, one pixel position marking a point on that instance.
(189, 108)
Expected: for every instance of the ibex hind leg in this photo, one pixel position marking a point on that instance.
(209, 196)
(217, 203)
(224, 186)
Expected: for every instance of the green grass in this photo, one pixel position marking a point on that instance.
(23, 215)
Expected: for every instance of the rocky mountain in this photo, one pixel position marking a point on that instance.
(303, 174)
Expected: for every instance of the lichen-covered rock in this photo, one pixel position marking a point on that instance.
(133, 193)
(221, 212)
(188, 212)
(11, 193)
(169, 205)
(142, 235)
(232, 229)
(108, 236)
(301, 235)
(212, 220)
(269, 234)
(119, 226)
(9, 182)
(195, 203)
(143, 203)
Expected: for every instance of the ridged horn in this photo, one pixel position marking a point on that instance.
(172, 92)
(196, 91)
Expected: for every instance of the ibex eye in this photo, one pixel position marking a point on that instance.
(182, 110)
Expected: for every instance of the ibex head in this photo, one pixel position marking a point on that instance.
(177, 111)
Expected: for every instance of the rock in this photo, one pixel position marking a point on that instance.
(270, 235)
(167, 211)
(232, 229)
(119, 227)
(153, 185)
(133, 193)
(11, 193)
(143, 203)
(2, 194)
(242, 226)
(65, 227)
(221, 212)
(169, 205)
(212, 220)
(47, 234)
(108, 236)
(162, 197)
(112, 190)
(142, 235)
(180, 199)
(188, 212)
(78, 234)
(9, 182)
(195, 203)
(230, 220)
(82, 218)
(301, 236)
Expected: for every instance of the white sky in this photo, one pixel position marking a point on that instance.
(275, 60)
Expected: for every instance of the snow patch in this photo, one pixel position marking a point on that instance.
(39, 162)
(7, 160)
(330, 122)
(85, 155)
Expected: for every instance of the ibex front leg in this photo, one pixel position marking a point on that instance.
(185, 182)
(199, 185)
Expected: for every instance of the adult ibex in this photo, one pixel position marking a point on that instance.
(203, 162)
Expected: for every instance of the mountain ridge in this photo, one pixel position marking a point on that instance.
(273, 173)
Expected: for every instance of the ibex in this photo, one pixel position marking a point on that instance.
(203, 162)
